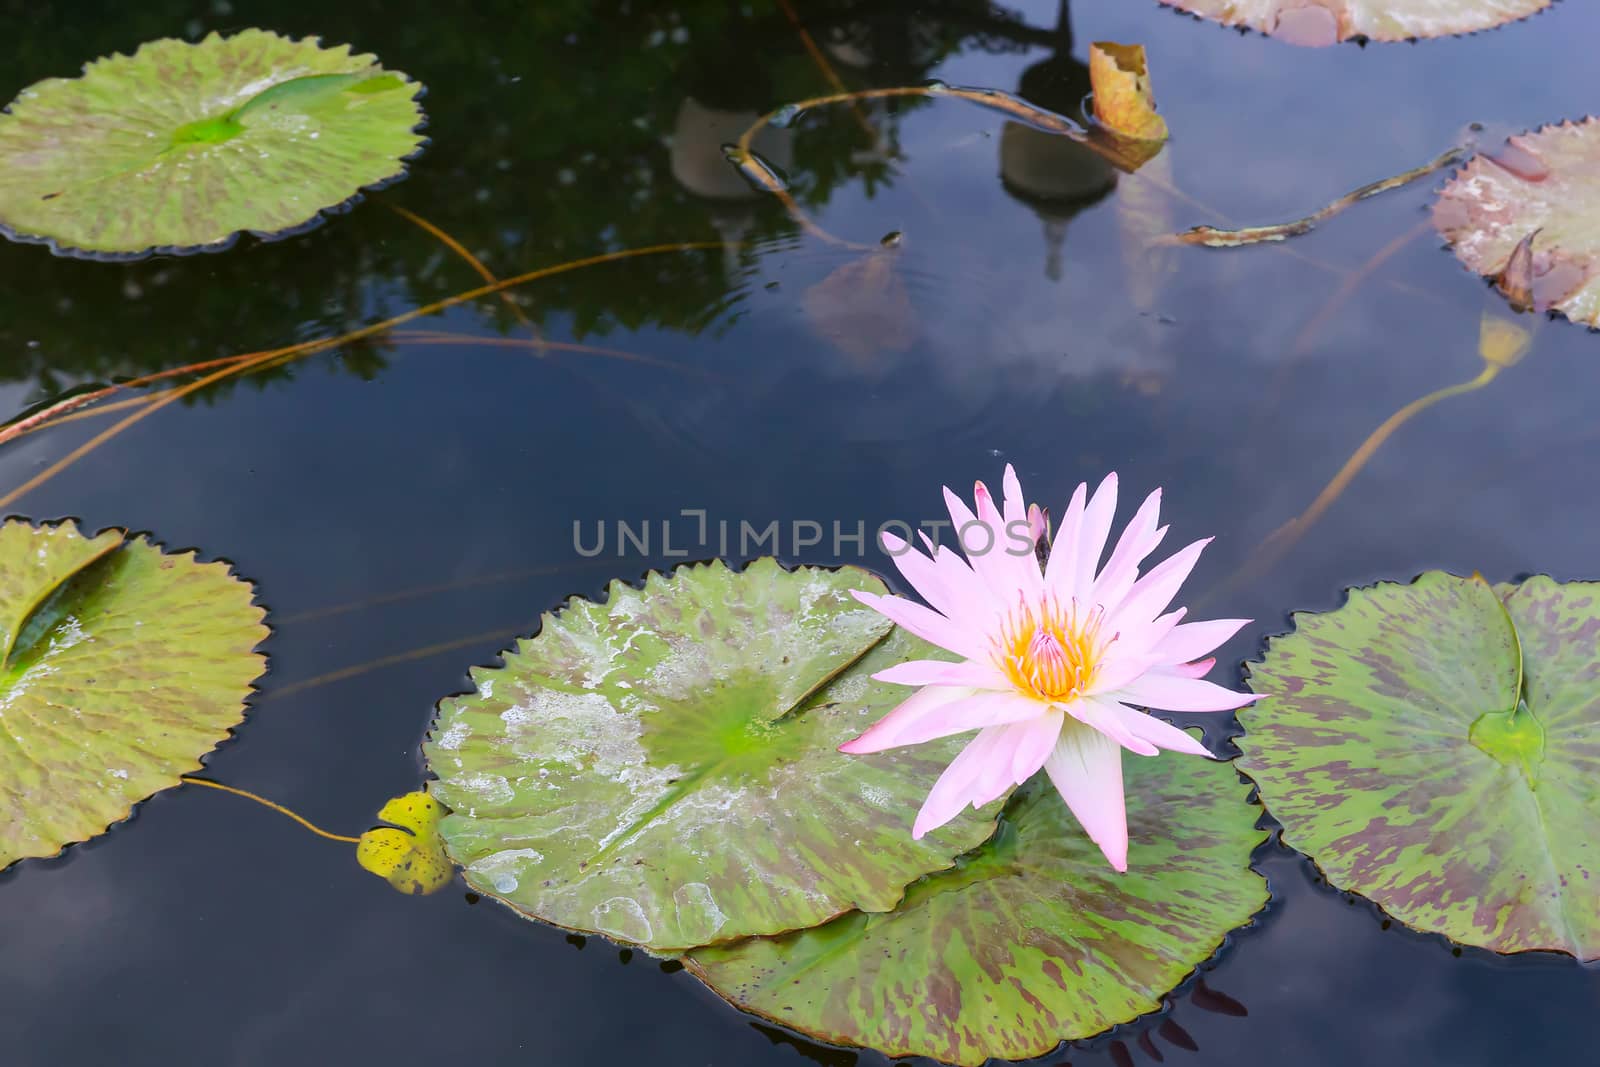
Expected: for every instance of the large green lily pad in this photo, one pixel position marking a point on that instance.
(1527, 215)
(180, 147)
(1032, 939)
(121, 667)
(1435, 747)
(1323, 22)
(662, 768)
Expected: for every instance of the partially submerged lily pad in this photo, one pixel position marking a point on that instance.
(863, 307)
(1032, 939)
(662, 768)
(1527, 215)
(1325, 22)
(1435, 747)
(180, 147)
(121, 667)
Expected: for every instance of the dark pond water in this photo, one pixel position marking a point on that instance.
(397, 496)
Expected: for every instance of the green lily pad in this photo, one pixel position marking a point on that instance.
(121, 667)
(180, 147)
(1435, 747)
(1527, 215)
(1032, 939)
(662, 768)
(1324, 22)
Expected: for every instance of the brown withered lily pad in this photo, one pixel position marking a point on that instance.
(1527, 216)
(1325, 22)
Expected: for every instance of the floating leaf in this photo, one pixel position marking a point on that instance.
(1123, 101)
(1032, 939)
(1527, 215)
(1325, 22)
(180, 147)
(662, 768)
(121, 667)
(408, 853)
(1435, 747)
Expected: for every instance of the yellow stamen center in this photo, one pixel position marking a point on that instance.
(1050, 652)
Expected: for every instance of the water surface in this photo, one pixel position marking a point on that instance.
(207, 928)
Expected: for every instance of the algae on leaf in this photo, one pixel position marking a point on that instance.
(1435, 747)
(122, 666)
(662, 768)
(180, 147)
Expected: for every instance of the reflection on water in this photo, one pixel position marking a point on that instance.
(779, 376)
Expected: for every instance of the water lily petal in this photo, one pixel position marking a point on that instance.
(938, 711)
(1174, 693)
(1015, 509)
(1162, 734)
(1059, 569)
(954, 789)
(1010, 559)
(1086, 768)
(1107, 717)
(1151, 594)
(1097, 517)
(1198, 669)
(1193, 640)
(973, 673)
(1139, 538)
(925, 623)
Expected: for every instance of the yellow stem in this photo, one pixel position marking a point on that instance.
(279, 808)
(1286, 536)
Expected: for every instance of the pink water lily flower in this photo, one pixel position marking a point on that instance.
(1056, 659)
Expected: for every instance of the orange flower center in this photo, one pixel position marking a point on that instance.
(1049, 653)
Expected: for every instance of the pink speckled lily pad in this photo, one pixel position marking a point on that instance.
(1527, 215)
(1325, 22)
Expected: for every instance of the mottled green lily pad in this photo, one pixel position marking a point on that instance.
(1324, 22)
(180, 147)
(1435, 747)
(1032, 939)
(1526, 214)
(662, 768)
(121, 667)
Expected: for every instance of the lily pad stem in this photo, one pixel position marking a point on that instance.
(279, 808)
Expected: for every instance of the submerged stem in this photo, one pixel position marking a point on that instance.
(244, 364)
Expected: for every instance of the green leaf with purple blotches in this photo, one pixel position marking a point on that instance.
(1435, 747)
(182, 146)
(1032, 939)
(662, 768)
